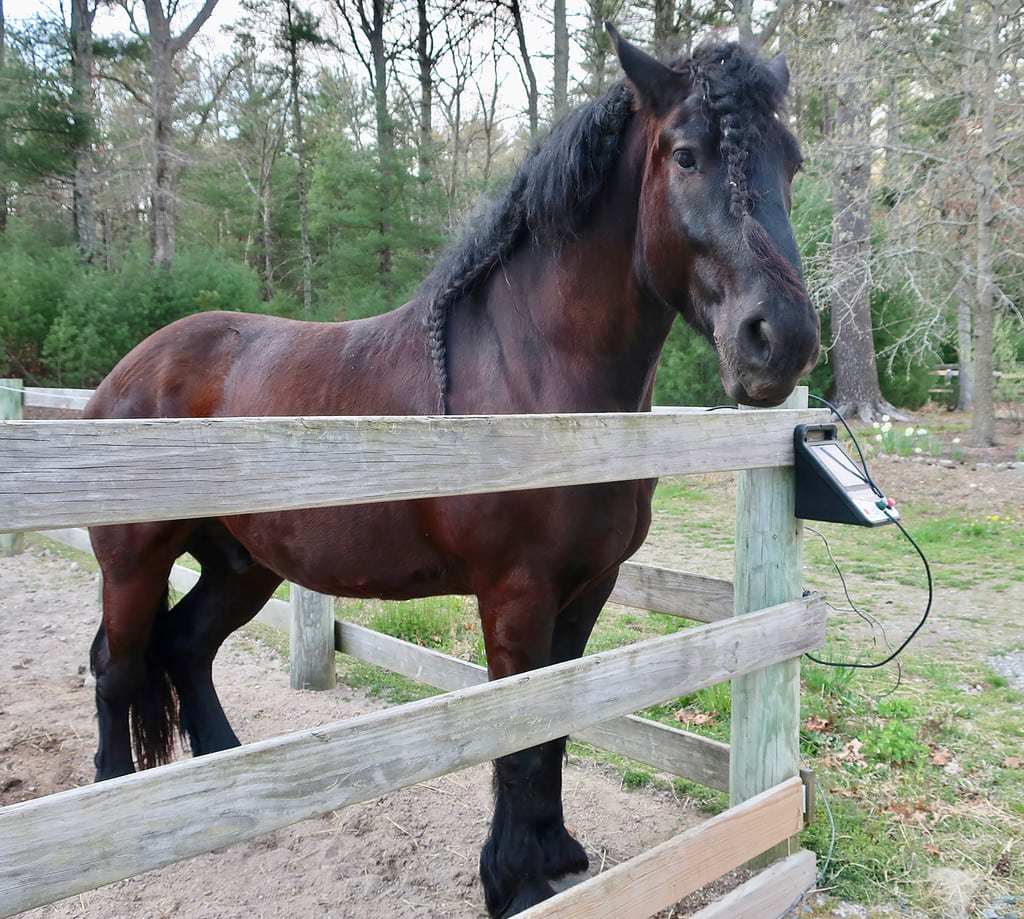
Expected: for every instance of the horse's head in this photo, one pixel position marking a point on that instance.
(714, 239)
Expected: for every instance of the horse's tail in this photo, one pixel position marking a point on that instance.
(154, 711)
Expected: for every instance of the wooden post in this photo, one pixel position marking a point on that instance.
(312, 640)
(765, 741)
(12, 402)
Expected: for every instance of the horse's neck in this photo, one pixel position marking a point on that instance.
(581, 308)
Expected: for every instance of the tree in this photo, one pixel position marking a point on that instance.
(560, 62)
(525, 65)
(300, 28)
(3, 184)
(257, 105)
(853, 350)
(38, 133)
(983, 421)
(757, 34)
(164, 46)
(83, 12)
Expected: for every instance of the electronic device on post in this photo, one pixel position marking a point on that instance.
(831, 486)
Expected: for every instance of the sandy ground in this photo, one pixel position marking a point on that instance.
(410, 854)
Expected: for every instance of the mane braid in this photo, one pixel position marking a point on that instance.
(743, 99)
(548, 200)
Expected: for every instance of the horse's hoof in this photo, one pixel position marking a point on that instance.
(563, 854)
(529, 893)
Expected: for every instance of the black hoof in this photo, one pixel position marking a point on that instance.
(563, 854)
(528, 893)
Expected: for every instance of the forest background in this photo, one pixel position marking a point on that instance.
(161, 157)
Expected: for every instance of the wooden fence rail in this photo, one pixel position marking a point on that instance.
(86, 473)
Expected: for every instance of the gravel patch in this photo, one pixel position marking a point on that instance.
(1011, 666)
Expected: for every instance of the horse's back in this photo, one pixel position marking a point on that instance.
(232, 364)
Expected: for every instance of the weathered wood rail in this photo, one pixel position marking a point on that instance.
(74, 473)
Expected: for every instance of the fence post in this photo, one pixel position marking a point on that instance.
(312, 640)
(765, 731)
(12, 402)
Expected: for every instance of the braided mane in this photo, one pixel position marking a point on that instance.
(548, 199)
(742, 98)
(553, 193)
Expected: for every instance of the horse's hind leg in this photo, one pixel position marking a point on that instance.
(230, 591)
(218, 604)
(132, 694)
(528, 845)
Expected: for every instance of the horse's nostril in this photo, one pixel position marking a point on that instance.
(756, 340)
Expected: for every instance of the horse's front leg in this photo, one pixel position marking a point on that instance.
(528, 845)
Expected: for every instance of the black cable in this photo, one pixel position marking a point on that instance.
(907, 536)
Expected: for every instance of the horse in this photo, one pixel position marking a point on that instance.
(669, 195)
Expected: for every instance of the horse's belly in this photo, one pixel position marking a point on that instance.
(378, 550)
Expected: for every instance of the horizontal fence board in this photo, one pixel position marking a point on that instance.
(679, 593)
(151, 819)
(421, 664)
(770, 894)
(669, 749)
(642, 886)
(677, 752)
(49, 397)
(84, 473)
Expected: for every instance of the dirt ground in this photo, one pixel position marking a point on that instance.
(411, 854)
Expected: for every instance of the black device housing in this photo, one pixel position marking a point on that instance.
(830, 485)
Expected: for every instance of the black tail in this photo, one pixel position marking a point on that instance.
(154, 712)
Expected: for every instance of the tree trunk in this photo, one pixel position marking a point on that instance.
(292, 37)
(664, 38)
(83, 108)
(162, 145)
(374, 31)
(964, 345)
(560, 63)
(529, 77)
(983, 426)
(425, 61)
(853, 349)
(162, 49)
(3, 184)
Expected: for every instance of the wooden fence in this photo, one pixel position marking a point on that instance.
(66, 474)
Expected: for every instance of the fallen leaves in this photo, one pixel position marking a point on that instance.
(692, 717)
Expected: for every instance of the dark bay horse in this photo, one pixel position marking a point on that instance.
(669, 195)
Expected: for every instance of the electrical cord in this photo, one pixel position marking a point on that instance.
(927, 568)
(865, 475)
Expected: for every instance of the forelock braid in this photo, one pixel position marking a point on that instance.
(739, 96)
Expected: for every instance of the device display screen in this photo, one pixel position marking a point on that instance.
(840, 465)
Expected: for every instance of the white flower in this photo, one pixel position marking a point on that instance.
(909, 432)
(885, 418)
(917, 450)
(878, 437)
(887, 427)
(921, 432)
(876, 425)
(956, 440)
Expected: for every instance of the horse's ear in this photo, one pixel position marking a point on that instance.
(654, 82)
(779, 70)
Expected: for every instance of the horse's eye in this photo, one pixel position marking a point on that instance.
(685, 158)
